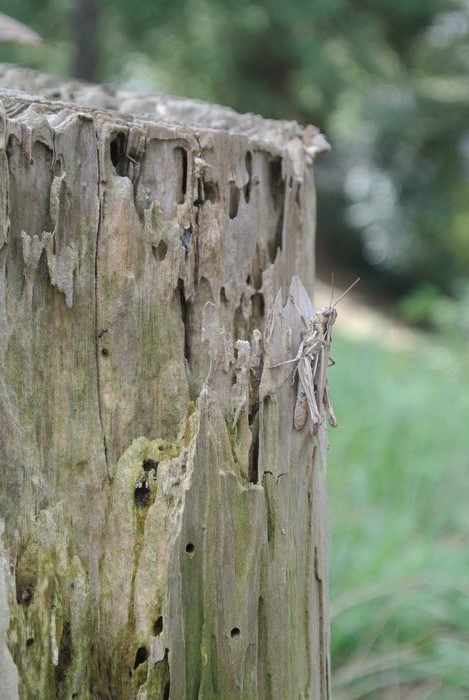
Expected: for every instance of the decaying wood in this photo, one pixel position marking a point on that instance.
(164, 526)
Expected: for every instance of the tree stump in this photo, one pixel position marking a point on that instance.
(164, 526)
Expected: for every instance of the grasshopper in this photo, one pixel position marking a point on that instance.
(312, 360)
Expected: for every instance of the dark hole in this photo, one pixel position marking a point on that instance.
(141, 656)
(185, 318)
(223, 297)
(277, 183)
(118, 157)
(26, 595)
(160, 250)
(104, 352)
(253, 457)
(190, 548)
(158, 626)
(234, 200)
(247, 188)
(235, 632)
(200, 194)
(142, 493)
(181, 154)
(248, 162)
(211, 192)
(166, 690)
(149, 464)
(29, 641)
(65, 654)
(277, 189)
(258, 305)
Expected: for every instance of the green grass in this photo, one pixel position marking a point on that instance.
(399, 519)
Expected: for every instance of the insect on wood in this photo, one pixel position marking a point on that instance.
(312, 360)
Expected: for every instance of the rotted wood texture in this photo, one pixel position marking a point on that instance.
(164, 526)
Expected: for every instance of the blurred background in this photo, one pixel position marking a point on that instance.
(388, 82)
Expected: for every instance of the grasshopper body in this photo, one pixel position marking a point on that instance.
(312, 361)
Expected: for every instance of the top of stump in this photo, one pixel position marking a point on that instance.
(267, 133)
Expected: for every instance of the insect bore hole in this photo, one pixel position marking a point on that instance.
(140, 657)
(105, 352)
(158, 626)
(190, 548)
(235, 632)
(117, 153)
(234, 200)
(142, 492)
(149, 464)
(160, 250)
(30, 641)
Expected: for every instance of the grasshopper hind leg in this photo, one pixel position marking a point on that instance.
(300, 414)
(328, 407)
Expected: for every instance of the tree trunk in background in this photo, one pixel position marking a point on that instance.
(164, 525)
(84, 31)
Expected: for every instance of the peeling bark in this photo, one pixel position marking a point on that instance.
(164, 526)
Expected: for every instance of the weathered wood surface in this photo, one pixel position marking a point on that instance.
(164, 525)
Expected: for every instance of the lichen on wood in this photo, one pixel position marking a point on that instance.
(164, 525)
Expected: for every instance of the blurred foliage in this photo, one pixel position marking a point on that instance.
(386, 80)
(426, 306)
(397, 480)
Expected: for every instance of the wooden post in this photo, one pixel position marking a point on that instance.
(164, 528)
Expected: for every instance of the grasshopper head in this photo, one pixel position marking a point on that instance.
(326, 316)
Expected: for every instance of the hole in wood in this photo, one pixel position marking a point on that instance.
(277, 189)
(185, 308)
(142, 492)
(186, 240)
(159, 251)
(234, 200)
(181, 164)
(253, 457)
(247, 188)
(104, 352)
(158, 626)
(117, 153)
(65, 655)
(166, 691)
(140, 657)
(235, 632)
(149, 464)
(258, 306)
(190, 548)
(211, 192)
(29, 641)
(25, 593)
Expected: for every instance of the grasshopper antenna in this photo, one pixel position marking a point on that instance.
(332, 289)
(347, 291)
